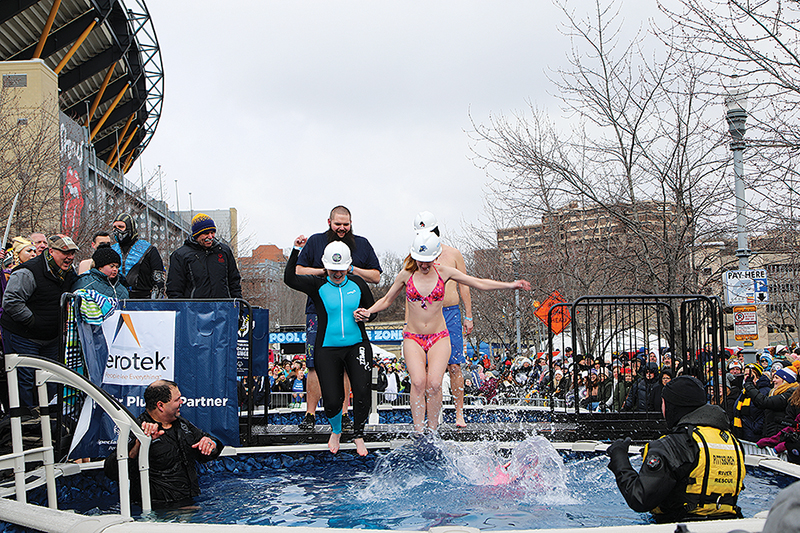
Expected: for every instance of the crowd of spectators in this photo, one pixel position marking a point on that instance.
(38, 270)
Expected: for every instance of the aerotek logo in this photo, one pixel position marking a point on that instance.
(125, 319)
(141, 348)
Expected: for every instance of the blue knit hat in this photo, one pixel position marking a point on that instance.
(787, 374)
(765, 357)
(202, 223)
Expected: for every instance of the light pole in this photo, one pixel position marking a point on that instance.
(736, 117)
(515, 262)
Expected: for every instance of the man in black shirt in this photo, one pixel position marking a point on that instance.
(177, 444)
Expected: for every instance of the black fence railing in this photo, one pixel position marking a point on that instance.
(614, 340)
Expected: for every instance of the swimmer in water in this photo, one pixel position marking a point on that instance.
(425, 354)
(341, 342)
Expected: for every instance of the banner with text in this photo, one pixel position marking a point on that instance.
(191, 343)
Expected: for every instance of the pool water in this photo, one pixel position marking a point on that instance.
(430, 483)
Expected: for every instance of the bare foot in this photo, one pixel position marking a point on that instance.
(460, 422)
(361, 448)
(333, 442)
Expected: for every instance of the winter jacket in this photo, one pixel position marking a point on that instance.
(748, 420)
(641, 394)
(199, 272)
(774, 406)
(97, 281)
(32, 300)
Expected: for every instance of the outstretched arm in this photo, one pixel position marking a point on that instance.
(482, 283)
(362, 314)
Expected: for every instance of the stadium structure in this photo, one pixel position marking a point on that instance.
(94, 67)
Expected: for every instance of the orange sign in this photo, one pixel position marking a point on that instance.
(560, 317)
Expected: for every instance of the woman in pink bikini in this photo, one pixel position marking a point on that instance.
(426, 357)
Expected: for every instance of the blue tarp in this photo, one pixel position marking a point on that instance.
(204, 369)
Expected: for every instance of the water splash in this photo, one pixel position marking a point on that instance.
(437, 470)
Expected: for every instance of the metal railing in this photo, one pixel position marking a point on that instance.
(286, 400)
(48, 371)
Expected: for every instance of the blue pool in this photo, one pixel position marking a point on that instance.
(417, 486)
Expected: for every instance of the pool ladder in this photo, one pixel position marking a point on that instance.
(48, 371)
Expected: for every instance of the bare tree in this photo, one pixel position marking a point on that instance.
(29, 165)
(391, 264)
(755, 44)
(638, 164)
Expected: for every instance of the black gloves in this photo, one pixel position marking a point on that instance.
(619, 446)
(618, 451)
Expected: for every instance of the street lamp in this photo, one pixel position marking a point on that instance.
(736, 117)
(515, 262)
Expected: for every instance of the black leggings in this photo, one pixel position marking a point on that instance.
(330, 364)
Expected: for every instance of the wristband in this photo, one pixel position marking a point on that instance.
(298, 248)
(352, 268)
(468, 318)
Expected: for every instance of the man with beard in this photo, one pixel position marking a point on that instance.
(141, 263)
(364, 264)
(695, 471)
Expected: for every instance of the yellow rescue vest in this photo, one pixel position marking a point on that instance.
(716, 481)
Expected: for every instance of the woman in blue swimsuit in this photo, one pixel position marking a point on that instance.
(341, 343)
(426, 358)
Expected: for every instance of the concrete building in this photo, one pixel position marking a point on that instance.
(571, 224)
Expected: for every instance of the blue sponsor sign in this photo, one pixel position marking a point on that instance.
(205, 338)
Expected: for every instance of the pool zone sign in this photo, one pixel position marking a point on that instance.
(141, 347)
(745, 323)
(746, 287)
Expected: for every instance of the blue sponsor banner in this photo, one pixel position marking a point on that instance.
(382, 336)
(203, 354)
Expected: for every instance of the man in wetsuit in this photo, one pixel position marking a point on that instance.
(309, 263)
(341, 342)
(141, 263)
(694, 472)
(426, 221)
(176, 446)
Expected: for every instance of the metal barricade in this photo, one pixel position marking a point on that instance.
(682, 333)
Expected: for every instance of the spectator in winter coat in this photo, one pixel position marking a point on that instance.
(784, 381)
(31, 304)
(748, 420)
(623, 377)
(641, 393)
(786, 440)
(663, 378)
(141, 266)
(104, 277)
(203, 267)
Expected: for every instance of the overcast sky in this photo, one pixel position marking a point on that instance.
(284, 109)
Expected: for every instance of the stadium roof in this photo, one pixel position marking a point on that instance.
(104, 34)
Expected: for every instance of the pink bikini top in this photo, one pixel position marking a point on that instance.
(436, 295)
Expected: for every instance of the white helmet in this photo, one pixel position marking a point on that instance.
(425, 221)
(336, 256)
(427, 246)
